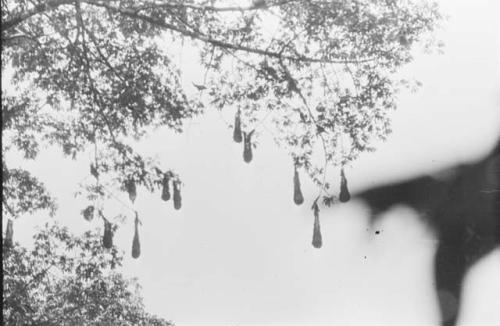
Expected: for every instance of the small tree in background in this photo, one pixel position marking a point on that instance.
(69, 280)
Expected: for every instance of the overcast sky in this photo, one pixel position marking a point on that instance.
(239, 251)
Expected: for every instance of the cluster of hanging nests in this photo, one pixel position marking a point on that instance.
(129, 185)
(238, 136)
(298, 198)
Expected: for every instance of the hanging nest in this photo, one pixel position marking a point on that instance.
(93, 171)
(317, 241)
(165, 191)
(177, 195)
(88, 213)
(344, 195)
(131, 189)
(136, 245)
(237, 137)
(298, 199)
(247, 147)
(107, 239)
(9, 234)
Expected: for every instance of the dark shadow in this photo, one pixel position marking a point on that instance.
(464, 210)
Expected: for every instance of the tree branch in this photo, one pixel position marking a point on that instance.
(296, 89)
(180, 5)
(216, 42)
(133, 13)
(22, 16)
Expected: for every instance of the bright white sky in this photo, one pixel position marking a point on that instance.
(239, 252)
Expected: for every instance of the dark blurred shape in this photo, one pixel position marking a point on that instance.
(464, 210)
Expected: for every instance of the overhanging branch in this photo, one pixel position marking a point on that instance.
(255, 6)
(132, 13)
(22, 16)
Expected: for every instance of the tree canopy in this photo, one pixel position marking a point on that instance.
(69, 280)
(89, 75)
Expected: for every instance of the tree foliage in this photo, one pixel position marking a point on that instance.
(69, 280)
(90, 74)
